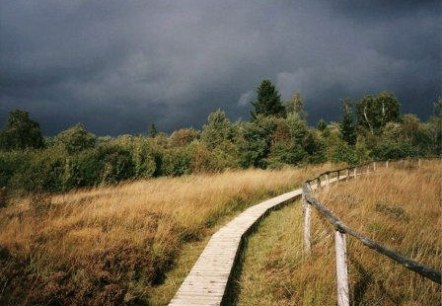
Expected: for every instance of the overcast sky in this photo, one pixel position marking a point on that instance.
(118, 66)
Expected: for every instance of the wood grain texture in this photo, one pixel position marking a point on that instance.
(207, 282)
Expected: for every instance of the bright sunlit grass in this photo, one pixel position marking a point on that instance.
(399, 207)
(116, 243)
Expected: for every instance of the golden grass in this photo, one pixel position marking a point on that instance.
(114, 244)
(399, 207)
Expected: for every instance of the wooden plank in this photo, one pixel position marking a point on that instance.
(207, 281)
(307, 225)
(341, 269)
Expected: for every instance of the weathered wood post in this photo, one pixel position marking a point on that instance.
(368, 168)
(341, 269)
(355, 171)
(386, 163)
(348, 174)
(307, 220)
(374, 166)
(419, 163)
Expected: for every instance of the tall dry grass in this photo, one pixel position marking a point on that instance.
(110, 245)
(399, 207)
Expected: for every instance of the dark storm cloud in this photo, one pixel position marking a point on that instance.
(119, 66)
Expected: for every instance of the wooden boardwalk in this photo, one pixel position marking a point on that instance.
(207, 282)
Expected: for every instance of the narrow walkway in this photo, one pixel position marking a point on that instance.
(207, 282)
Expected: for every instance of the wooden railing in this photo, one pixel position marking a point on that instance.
(341, 229)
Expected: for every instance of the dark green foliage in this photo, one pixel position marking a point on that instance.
(43, 172)
(153, 131)
(117, 164)
(20, 132)
(322, 125)
(143, 158)
(217, 130)
(341, 151)
(11, 163)
(373, 112)
(287, 153)
(393, 150)
(83, 170)
(254, 145)
(75, 139)
(435, 129)
(76, 158)
(347, 127)
(175, 162)
(268, 102)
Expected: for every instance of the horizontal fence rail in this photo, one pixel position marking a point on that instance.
(308, 200)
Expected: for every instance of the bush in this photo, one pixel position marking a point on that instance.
(117, 164)
(75, 139)
(11, 163)
(143, 158)
(83, 170)
(176, 161)
(44, 172)
(394, 150)
(218, 159)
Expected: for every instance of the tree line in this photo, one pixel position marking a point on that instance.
(277, 135)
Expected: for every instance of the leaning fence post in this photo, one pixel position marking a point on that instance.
(341, 269)
(307, 222)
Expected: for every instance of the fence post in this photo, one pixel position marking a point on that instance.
(307, 223)
(348, 174)
(419, 163)
(386, 164)
(341, 269)
(368, 169)
(355, 172)
(318, 182)
(374, 166)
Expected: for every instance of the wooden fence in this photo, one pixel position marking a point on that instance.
(341, 229)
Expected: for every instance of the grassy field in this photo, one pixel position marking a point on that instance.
(127, 244)
(399, 207)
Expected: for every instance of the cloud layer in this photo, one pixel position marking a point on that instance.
(120, 66)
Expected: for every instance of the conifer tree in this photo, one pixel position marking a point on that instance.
(153, 130)
(347, 126)
(268, 102)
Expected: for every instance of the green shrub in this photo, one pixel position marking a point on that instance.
(75, 139)
(11, 163)
(83, 170)
(117, 164)
(394, 150)
(44, 172)
(143, 158)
